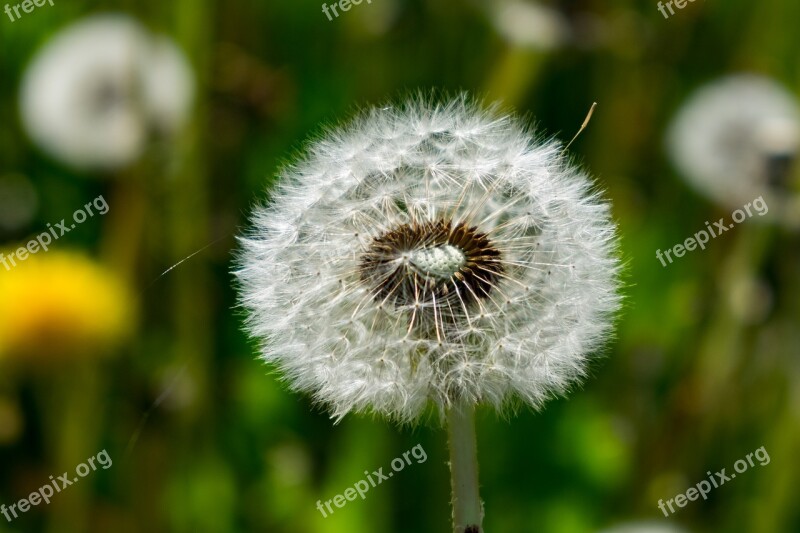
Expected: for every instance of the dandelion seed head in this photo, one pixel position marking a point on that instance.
(91, 96)
(738, 138)
(430, 252)
(531, 24)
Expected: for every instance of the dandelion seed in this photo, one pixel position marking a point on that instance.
(431, 253)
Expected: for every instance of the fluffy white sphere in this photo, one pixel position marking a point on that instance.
(736, 138)
(91, 96)
(167, 84)
(430, 252)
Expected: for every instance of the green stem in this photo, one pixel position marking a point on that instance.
(467, 507)
(514, 74)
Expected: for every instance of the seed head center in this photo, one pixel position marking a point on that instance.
(430, 264)
(440, 261)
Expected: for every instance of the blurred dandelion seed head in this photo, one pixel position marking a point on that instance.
(62, 305)
(94, 93)
(430, 252)
(737, 139)
(531, 24)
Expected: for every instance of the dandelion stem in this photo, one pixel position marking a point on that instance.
(467, 507)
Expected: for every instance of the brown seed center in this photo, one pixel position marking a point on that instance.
(446, 265)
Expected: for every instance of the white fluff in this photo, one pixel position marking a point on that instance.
(531, 24)
(91, 96)
(320, 322)
(728, 137)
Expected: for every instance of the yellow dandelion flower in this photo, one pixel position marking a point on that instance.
(62, 304)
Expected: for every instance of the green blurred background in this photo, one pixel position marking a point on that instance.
(205, 438)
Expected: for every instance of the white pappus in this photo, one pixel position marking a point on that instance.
(738, 138)
(95, 93)
(430, 252)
